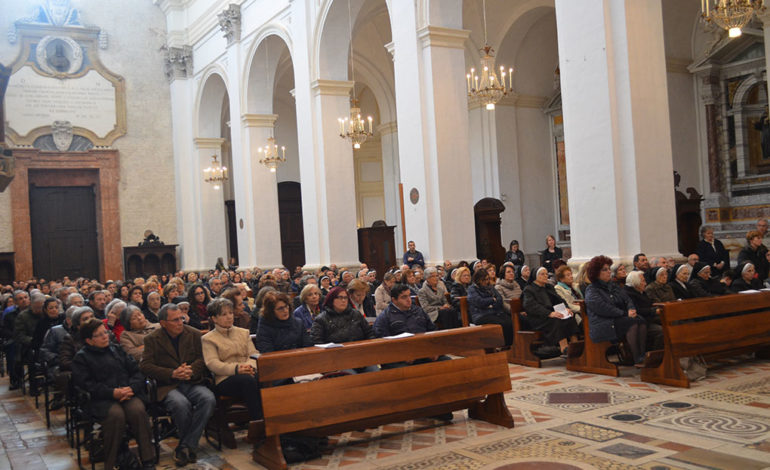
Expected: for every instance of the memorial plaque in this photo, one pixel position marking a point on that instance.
(33, 101)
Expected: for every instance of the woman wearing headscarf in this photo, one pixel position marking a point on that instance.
(700, 283)
(747, 278)
(679, 282)
(658, 288)
(538, 300)
(612, 316)
(523, 276)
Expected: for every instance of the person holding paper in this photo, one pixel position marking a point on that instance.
(539, 300)
(611, 313)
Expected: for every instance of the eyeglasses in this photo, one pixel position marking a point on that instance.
(285, 307)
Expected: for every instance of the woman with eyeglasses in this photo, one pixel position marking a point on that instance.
(279, 329)
(199, 298)
(612, 315)
(116, 386)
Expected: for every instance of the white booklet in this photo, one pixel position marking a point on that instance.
(562, 310)
(405, 334)
(328, 345)
(750, 291)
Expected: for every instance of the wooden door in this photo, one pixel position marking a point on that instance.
(63, 226)
(292, 232)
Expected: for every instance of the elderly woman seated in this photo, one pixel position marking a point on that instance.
(227, 352)
(538, 301)
(679, 283)
(563, 287)
(310, 305)
(658, 289)
(485, 305)
(433, 300)
(611, 314)
(747, 279)
(358, 292)
(136, 329)
(116, 387)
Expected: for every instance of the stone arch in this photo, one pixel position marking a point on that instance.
(742, 93)
(379, 86)
(272, 40)
(211, 95)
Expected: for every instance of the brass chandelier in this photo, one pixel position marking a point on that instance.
(488, 89)
(732, 15)
(215, 173)
(270, 151)
(352, 128)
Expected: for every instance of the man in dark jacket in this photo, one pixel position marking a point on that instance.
(413, 257)
(173, 355)
(21, 303)
(401, 316)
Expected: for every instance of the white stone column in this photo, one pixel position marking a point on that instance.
(391, 177)
(186, 176)
(446, 205)
(432, 112)
(616, 128)
(764, 16)
(262, 226)
(483, 153)
(212, 227)
(334, 200)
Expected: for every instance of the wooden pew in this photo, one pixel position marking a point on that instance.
(523, 340)
(464, 315)
(587, 356)
(726, 325)
(351, 402)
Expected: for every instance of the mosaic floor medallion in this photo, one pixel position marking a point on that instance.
(717, 424)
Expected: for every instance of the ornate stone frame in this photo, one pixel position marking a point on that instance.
(98, 167)
(32, 34)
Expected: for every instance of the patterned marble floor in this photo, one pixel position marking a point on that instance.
(564, 421)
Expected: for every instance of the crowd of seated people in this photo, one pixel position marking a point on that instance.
(189, 332)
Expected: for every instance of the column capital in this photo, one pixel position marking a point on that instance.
(258, 120)
(387, 128)
(437, 36)
(230, 23)
(177, 62)
(212, 143)
(391, 48)
(331, 87)
(764, 16)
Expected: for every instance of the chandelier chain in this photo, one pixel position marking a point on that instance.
(484, 2)
(352, 59)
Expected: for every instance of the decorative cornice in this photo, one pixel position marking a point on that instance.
(178, 62)
(212, 143)
(436, 36)
(391, 48)
(259, 120)
(523, 101)
(230, 23)
(387, 128)
(331, 87)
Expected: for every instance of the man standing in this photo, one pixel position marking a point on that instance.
(24, 332)
(413, 257)
(21, 303)
(173, 356)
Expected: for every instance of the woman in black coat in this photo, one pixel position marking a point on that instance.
(712, 252)
(538, 300)
(612, 316)
(514, 254)
(523, 276)
(551, 253)
(280, 330)
(116, 388)
(460, 286)
(485, 305)
(702, 284)
(747, 279)
(635, 289)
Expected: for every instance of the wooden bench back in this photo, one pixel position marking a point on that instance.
(715, 324)
(515, 310)
(340, 401)
(464, 315)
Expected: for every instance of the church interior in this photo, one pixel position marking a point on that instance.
(311, 133)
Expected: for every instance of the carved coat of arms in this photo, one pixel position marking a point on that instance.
(62, 135)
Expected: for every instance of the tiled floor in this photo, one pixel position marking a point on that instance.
(564, 420)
